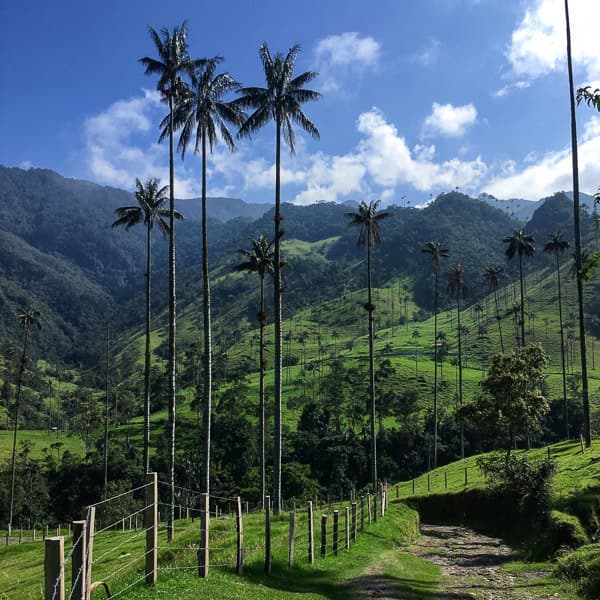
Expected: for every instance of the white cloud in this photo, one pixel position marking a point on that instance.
(338, 57)
(510, 87)
(538, 44)
(117, 149)
(26, 165)
(448, 120)
(430, 54)
(553, 171)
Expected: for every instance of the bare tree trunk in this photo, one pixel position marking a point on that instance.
(146, 458)
(261, 390)
(370, 309)
(562, 350)
(435, 374)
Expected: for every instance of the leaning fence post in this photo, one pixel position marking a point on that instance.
(336, 530)
(78, 561)
(240, 536)
(267, 534)
(323, 536)
(54, 556)
(91, 529)
(203, 551)
(151, 524)
(347, 526)
(311, 541)
(292, 536)
(353, 534)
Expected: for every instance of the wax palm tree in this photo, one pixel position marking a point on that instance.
(557, 245)
(281, 101)
(203, 114)
(416, 334)
(456, 285)
(367, 219)
(28, 319)
(520, 244)
(436, 253)
(492, 275)
(150, 210)
(260, 260)
(173, 61)
(594, 101)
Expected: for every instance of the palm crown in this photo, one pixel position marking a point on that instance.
(261, 259)
(282, 99)
(519, 244)
(367, 219)
(557, 244)
(435, 250)
(492, 276)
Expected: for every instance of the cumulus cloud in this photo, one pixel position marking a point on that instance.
(448, 120)
(340, 57)
(551, 172)
(538, 44)
(510, 87)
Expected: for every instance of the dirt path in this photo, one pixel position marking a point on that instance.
(470, 564)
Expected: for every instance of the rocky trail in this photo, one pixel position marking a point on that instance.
(471, 568)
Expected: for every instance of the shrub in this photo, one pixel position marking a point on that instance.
(566, 531)
(582, 567)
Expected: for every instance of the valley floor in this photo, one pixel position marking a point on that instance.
(460, 564)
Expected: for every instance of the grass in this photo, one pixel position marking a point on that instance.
(41, 443)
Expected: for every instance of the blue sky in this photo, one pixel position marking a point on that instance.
(417, 97)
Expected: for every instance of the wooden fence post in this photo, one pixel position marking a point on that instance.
(203, 551)
(54, 577)
(397, 491)
(375, 506)
(240, 536)
(20, 533)
(353, 533)
(311, 540)
(336, 530)
(428, 482)
(292, 537)
(91, 530)
(362, 513)
(151, 524)
(323, 536)
(446, 480)
(267, 534)
(413, 486)
(466, 477)
(369, 508)
(78, 561)
(347, 526)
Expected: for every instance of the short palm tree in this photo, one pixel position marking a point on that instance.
(367, 219)
(436, 253)
(260, 260)
(456, 285)
(150, 210)
(173, 61)
(556, 245)
(492, 275)
(520, 244)
(281, 101)
(203, 114)
(28, 319)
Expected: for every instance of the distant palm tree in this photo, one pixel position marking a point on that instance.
(587, 428)
(416, 334)
(173, 61)
(203, 114)
(260, 260)
(492, 276)
(367, 219)
(150, 210)
(436, 252)
(520, 244)
(456, 285)
(28, 319)
(557, 245)
(281, 101)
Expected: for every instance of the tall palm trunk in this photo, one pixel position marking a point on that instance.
(435, 374)
(578, 260)
(522, 301)
(498, 320)
(207, 328)
(261, 389)
(147, 354)
(172, 326)
(277, 320)
(370, 308)
(562, 350)
(16, 425)
(460, 377)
